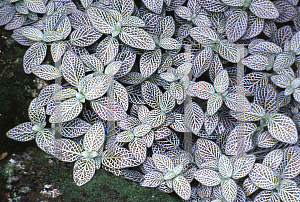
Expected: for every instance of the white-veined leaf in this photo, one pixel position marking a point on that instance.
(72, 68)
(107, 50)
(35, 6)
(92, 63)
(182, 187)
(221, 82)
(193, 117)
(97, 87)
(46, 72)
(282, 128)
(133, 21)
(228, 51)
(83, 171)
(263, 177)
(149, 62)
(163, 163)
(295, 44)
(84, 36)
(167, 102)
(266, 196)
(202, 90)
(66, 111)
(155, 118)
(214, 103)
(202, 62)
(169, 43)
(151, 94)
(57, 50)
(36, 115)
(137, 38)
(208, 150)
(94, 138)
(74, 128)
(22, 132)
(290, 166)
(63, 149)
(207, 177)
(107, 109)
(204, 35)
(138, 149)
(152, 179)
(35, 55)
(288, 192)
(242, 166)
(125, 7)
(229, 190)
(225, 166)
(265, 140)
(118, 158)
(42, 137)
(155, 6)
(256, 62)
(264, 9)
(236, 25)
(101, 20)
(273, 159)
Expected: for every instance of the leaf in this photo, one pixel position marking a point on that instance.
(50, 36)
(289, 166)
(151, 94)
(154, 6)
(214, 103)
(155, 118)
(265, 48)
(255, 27)
(94, 138)
(204, 35)
(96, 87)
(86, 3)
(225, 166)
(182, 187)
(169, 43)
(233, 2)
(267, 195)
(256, 62)
(202, 62)
(193, 117)
(295, 44)
(264, 9)
(83, 171)
(72, 68)
(66, 111)
(228, 51)
(289, 192)
(213, 5)
(265, 140)
(35, 55)
(42, 137)
(63, 149)
(162, 163)
(273, 159)
(221, 82)
(108, 109)
(263, 177)
(202, 90)
(119, 158)
(152, 179)
(107, 50)
(84, 36)
(35, 6)
(242, 166)
(22, 132)
(36, 115)
(46, 94)
(283, 60)
(240, 138)
(133, 21)
(210, 123)
(92, 63)
(138, 149)
(207, 177)
(229, 190)
(46, 72)
(149, 62)
(74, 128)
(101, 20)
(236, 25)
(282, 128)
(208, 150)
(17, 21)
(57, 50)
(137, 38)
(125, 7)
(237, 102)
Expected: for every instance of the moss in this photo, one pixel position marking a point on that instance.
(104, 186)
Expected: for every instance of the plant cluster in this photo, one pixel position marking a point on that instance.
(139, 77)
